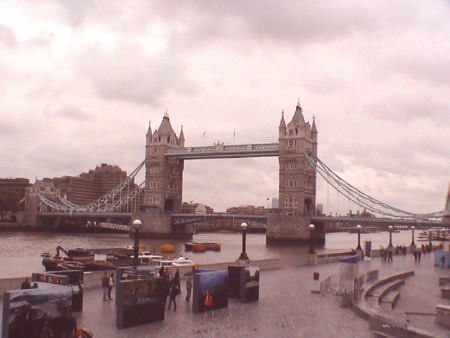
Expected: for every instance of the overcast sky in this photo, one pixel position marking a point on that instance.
(80, 80)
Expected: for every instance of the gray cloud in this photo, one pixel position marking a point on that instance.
(126, 73)
(70, 112)
(374, 74)
(7, 36)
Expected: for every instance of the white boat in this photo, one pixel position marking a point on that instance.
(146, 258)
(178, 262)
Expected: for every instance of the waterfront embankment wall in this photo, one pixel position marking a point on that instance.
(93, 278)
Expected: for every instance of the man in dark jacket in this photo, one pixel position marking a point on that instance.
(105, 286)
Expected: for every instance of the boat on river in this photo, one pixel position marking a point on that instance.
(178, 262)
(202, 246)
(436, 234)
(95, 259)
(106, 259)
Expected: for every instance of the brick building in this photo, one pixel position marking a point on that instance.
(89, 186)
(13, 191)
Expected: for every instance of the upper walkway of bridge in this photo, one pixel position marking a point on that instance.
(220, 150)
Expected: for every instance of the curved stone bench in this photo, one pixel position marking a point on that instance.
(381, 290)
(366, 311)
(390, 297)
(380, 282)
(384, 285)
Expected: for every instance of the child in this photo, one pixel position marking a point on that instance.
(208, 303)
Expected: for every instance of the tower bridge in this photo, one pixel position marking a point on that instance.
(157, 201)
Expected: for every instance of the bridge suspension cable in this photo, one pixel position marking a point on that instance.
(109, 202)
(109, 197)
(360, 198)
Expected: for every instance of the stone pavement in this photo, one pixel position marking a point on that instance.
(286, 307)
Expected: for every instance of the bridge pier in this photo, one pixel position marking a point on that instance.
(159, 225)
(293, 229)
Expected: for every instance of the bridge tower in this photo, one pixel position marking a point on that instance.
(297, 183)
(163, 182)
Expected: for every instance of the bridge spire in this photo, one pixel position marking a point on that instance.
(181, 138)
(149, 132)
(313, 127)
(282, 126)
(298, 118)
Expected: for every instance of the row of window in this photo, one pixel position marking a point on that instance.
(290, 166)
(290, 183)
(159, 169)
(155, 185)
(290, 201)
(167, 139)
(153, 200)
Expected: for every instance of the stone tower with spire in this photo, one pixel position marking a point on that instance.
(163, 181)
(297, 181)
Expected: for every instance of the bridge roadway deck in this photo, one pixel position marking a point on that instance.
(286, 308)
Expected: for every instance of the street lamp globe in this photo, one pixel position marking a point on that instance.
(390, 236)
(243, 255)
(358, 227)
(311, 248)
(137, 224)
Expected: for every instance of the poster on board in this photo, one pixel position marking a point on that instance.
(216, 282)
(24, 311)
(140, 301)
(250, 284)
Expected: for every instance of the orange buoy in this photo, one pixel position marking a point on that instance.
(199, 248)
(167, 248)
(216, 247)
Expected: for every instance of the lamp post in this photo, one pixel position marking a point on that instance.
(358, 227)
(311, 248)
(137, 226)
(429, 231)
(390, 236)
(244, 230)
(412, 240)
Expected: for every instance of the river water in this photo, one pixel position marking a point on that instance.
(20, 252)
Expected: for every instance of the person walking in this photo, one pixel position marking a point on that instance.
(442, 260)
(188, 288)
(162, 272)
(68, 324)
(110, 285)
(390, 256)
(105, 283)
(174, 291)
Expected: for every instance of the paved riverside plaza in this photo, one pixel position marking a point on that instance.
(286, 306)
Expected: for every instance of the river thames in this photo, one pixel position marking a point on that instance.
(20, 252)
